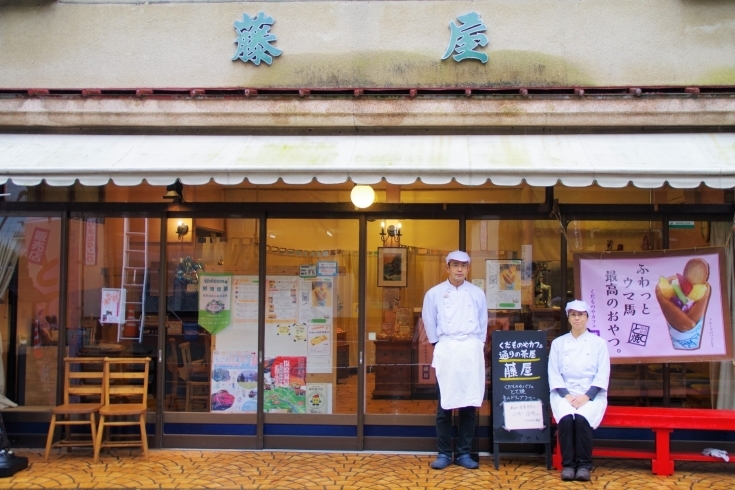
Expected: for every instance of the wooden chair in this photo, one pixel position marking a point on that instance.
(196, 375)
(125, 396)
(83, 397)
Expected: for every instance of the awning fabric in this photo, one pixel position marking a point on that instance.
(611, 160)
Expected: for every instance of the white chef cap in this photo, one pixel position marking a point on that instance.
(459, 256)
(577, 305)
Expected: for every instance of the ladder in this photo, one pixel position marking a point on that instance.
(134, 280)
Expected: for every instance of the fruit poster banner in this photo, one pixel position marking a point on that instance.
(665, 306)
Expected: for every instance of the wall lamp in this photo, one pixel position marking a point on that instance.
(393, 233)
(362, 196)
(175, 191)
(182, 229)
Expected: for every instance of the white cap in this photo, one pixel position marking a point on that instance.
(577, 305)
(459, 256)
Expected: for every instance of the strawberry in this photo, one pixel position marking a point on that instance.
(684, 284)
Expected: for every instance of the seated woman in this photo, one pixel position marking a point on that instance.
(579, 371)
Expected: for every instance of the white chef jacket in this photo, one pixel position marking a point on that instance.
(577, 364)
(456, 318)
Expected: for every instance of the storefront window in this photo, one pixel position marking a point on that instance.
(311, 316)
(212, 315)
(517, 263)
(631, 382)
(110, 309)
(30, 247)
(697, 384)
(399, 272)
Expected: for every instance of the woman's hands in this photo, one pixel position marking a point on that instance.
(577, 400)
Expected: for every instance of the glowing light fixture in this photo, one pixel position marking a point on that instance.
(182, 229)
(362, 196)
(392, 233)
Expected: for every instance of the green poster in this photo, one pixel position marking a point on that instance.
(214, 301)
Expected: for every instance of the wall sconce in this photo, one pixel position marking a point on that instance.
(175, 191)
(182, 229)
(362, 196)
(393, 233)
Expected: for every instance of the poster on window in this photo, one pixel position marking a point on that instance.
(316, 300)
(285, 385)
(667, 306)
(318, 399)
(245, 298)
(281, 305)
(111, 305)
(214, 301)
(503, 284)
(234, 387)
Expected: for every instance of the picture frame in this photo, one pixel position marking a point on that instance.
(392, 267)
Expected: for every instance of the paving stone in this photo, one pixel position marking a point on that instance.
(273, 470)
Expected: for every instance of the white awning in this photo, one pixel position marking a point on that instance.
(611, 160)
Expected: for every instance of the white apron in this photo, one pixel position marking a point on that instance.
(460, 371)
(579, 373)
(593, 410)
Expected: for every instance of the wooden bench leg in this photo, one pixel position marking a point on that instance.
(663, 465)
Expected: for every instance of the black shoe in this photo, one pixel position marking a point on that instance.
(583, 474)
(568, 474)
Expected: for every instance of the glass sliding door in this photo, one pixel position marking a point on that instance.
(405, 258)
(311, 355)
(212, 303)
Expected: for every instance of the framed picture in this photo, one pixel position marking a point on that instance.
(392, 267)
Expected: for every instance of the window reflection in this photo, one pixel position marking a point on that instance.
(311, 316)
(211, 315)
(31, 246)
(399, 377)
(109, 312)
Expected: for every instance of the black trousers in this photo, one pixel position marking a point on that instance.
(575, 441)
(465, 433)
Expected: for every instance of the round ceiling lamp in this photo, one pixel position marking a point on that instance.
(362, 196)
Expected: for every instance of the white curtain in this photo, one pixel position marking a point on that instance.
(725, 394)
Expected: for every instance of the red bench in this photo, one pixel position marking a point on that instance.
(662, 421)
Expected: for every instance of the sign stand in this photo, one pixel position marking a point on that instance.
(520, 386)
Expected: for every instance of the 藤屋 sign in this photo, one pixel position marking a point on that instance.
(667, 306)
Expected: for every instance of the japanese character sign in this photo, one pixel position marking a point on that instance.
(254, 39)
(520, 386)
(466, 37)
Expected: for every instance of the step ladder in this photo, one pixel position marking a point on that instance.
(134, 280)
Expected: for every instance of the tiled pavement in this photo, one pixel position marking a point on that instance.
(343, 471)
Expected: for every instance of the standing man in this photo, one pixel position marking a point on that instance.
(455, 319)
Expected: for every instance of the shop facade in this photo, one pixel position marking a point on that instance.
(240, 179)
